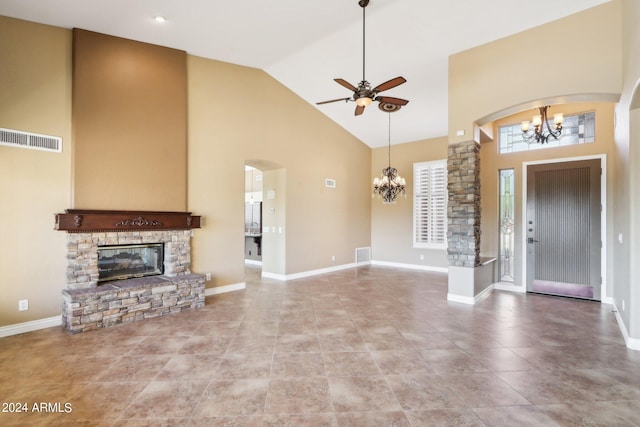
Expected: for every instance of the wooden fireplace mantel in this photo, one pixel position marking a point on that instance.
(89, 221)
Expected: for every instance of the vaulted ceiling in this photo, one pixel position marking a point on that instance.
(305, 44)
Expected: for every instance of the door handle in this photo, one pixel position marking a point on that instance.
(530, 240)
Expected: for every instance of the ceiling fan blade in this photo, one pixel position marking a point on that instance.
(359, 110)
(346, 84)
(333, 100)
(392, 100)
(389, 84)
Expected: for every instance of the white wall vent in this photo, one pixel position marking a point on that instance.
(363, 255)
(34, 141)
(331, 183)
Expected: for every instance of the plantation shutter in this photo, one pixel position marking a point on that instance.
(430, 203)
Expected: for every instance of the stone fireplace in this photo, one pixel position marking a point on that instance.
(124, 266)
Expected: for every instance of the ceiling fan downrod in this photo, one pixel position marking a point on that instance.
(363, 4)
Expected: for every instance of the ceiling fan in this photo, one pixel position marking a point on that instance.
(364, 94)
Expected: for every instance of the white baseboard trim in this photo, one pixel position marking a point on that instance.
(471, 300)
(266, 275)
(34, 325)
(482, 295)
(224, 289)
(304, 274)
(252, 262)
(410, 266)
(632, 343)
(504, 286)
(460, 299)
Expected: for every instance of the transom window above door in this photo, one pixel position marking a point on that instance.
(576, 129)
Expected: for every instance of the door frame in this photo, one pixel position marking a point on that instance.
(604, 297)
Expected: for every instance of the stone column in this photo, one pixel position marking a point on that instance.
(463, 212)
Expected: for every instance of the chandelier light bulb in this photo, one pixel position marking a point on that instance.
(558, 119)
(537, 120)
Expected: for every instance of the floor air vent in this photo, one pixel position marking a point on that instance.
(34, 141)
(363, 255)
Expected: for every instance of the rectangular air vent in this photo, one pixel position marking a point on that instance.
(363, 255)
(34, 141)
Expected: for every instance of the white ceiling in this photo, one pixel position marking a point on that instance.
(305, 44)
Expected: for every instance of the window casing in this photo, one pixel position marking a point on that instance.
(430, 198)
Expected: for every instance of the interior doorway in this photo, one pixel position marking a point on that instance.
(265, 218)
(563, 229)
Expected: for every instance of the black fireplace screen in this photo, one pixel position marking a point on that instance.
(129, 261)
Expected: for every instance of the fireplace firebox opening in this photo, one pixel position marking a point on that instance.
(121, 262)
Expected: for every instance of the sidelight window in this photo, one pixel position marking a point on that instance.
(506, 225)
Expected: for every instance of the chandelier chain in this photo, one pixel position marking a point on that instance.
(390, 185)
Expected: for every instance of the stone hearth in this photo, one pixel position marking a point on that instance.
(129, 300)
(88, 305)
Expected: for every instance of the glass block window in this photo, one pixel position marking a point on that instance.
(430, 204)
(576, 129)
(506, 224)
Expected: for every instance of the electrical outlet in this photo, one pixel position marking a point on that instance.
(333, 258)
(23, 305)
(207, 276)
(622, 305)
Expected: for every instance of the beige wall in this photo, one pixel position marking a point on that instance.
(129, 124)
(35, 96)
(281, 133)
(392, 224)
(577, 55)
(491, 161)
(627, 196)
(241, 115)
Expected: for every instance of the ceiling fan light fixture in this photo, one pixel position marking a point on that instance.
(364, 101)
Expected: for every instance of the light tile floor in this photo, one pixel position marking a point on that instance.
(364, 347)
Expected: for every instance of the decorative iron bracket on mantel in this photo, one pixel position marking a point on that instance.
(87, 221)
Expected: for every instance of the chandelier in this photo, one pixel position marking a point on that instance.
(539, 122)
(390, 184)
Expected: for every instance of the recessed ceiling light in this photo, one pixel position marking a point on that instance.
(160, 19)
